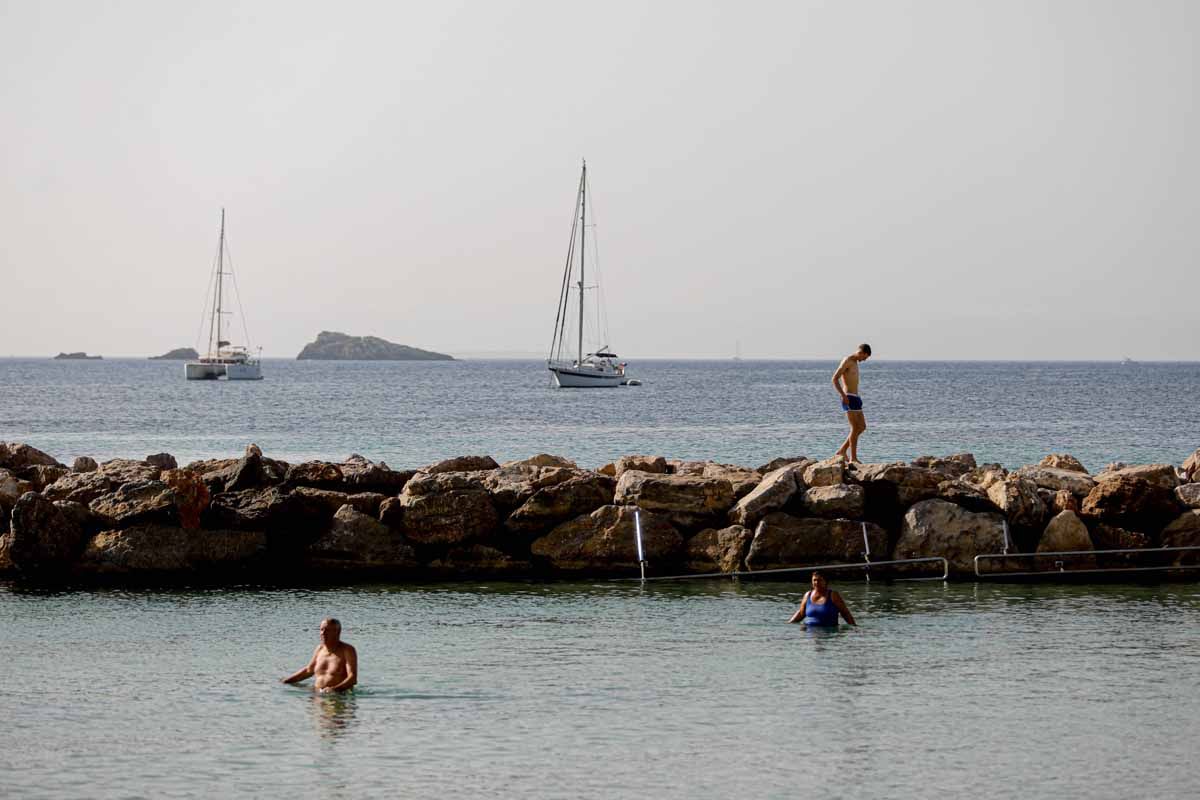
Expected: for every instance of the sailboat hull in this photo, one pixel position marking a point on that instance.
(232, 372)
(584, 379)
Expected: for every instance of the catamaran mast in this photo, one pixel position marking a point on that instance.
(220, 283)
(582, 252)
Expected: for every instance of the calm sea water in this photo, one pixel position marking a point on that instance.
(748, 412)
(605, 690)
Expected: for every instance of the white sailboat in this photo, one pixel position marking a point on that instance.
(599, 368)
(222, 359)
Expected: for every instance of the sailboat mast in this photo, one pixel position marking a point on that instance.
(582, 252)
(220, 279)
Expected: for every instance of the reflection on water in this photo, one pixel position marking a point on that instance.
(333, 712)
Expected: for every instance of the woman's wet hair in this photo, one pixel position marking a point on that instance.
(818, 574)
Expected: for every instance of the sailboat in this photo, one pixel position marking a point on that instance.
(599, 368)
(222, 359)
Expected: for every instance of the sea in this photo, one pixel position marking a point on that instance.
(570, 689)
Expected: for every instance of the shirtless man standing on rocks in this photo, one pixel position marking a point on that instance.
(334, 662)
(847, 373)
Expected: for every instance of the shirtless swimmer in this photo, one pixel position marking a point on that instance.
(847, 375)
(334, 662)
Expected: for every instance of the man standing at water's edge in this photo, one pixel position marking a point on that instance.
(847, 374)
(334, 662)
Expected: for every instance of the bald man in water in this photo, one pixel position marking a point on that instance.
(334, 662)
(847, 374)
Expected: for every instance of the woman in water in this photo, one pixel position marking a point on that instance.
(821, 606)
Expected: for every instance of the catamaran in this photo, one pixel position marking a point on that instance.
(222, 359)
(599, 368)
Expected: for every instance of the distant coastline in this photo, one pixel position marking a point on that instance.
(335, 346)
(178, 354)
(77, 356)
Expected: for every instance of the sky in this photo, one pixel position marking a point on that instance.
(943, 180)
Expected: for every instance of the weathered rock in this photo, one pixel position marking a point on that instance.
(42, 537)
(126, 470)
(1059, 501)
(514, 484)
(603, 541)
(653, 464)
(890, 488)
(1191, 467)
(15, 456)
(322, 504)
(245, 474)
(686, 500)
(367, 502)
(1114, 466)
(742, 479)
(478, 560)
(543, 460)
(677, 467)
(1077, 483)
(1063, 461)
(84, 464)
(560, 502)
(967, 495)
(1065, 532)
(365, 476)
(448, 517)
(215, 472)
(829, 472)
(424, 483)
(1184, 531)
(609, 469)
(359, 540)
(11, 489)
(461, 464)
(42, 475)
(1018, 500)
(163, 461)
(950, 467)
(1110, 537)
(723, 550)
(168, 549)
(79, 487)
(985, 475)
(1160, 475)
(838, 501)
(1188, 495)
(391, 513)
(253, 510)
(140, 503)
(773, 492)
(782, 541)
(191, 496)
(1130, 502)
(315, 474)
(938, 528)
(253, 450)
(777, 463)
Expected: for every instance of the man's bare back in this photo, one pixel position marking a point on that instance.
(845, 380)
(334, 664)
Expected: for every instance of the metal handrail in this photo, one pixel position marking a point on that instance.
(1089, 571)
(785, 570)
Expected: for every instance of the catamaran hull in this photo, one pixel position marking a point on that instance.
(231, 372)
(582, 379)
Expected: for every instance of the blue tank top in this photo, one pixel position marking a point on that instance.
(823, 615)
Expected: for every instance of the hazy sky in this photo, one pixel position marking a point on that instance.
(943, 179)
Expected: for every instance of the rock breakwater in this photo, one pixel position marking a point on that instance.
(546, 516)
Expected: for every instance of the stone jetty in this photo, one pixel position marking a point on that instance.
(545, 516)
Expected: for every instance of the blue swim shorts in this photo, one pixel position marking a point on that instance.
(854, 404)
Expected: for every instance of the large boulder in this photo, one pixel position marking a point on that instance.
(777, 463)
(1188, 495)
(939, 528)
(1162, 476)
(361, 475)
(1130, 502)
(687, 500)
(163, 461)
(782, 541)
(829, 472)
(43, 536)
(126, 470)
(967, 495)
(1184, 531)
(84, 464)
(1063, 461)
(891, 488)
(191, 496)
(1077, 483)
(950, 467)
(543, 460)
(742, 479)
(773, 492)
(16, 455)
(513, 484)
(1018, 500)
(1110, 537)
(42, 475)
(1191, 467)
(140, 503)
(1065, 532)
(560, 502)
(253, 510)
(439, 482)
(168, 549)
(79, 487)
(11, 489)
(447, 517)
(723, 550)
(604, 541)
(478, 561)
(315, 474)
(837, 501)
(461, 464)
(356, 539)
(653, 464)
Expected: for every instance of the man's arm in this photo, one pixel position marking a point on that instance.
(305, 671)
(837, 377)
(351, 672)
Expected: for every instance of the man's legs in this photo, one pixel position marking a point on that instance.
(858, 424)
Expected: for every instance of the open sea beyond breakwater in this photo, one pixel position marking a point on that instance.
(746, 412)
(604, 689)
